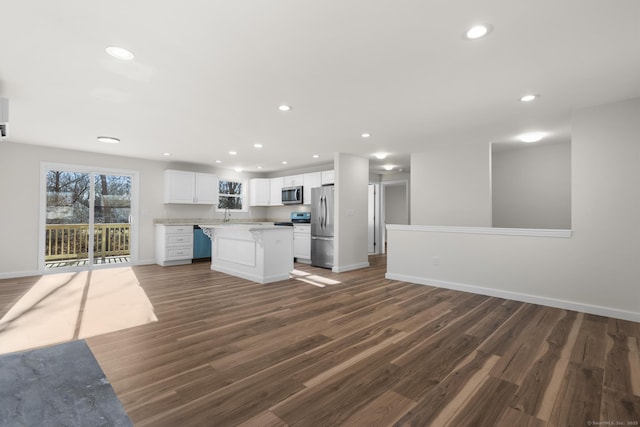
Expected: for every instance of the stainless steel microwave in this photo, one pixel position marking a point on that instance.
(292, 195)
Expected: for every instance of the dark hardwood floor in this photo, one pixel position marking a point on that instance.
(364, 351)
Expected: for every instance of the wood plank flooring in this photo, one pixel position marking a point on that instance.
(365, 351)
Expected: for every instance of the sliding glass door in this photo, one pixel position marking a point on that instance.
(112, 219)
(87, 219)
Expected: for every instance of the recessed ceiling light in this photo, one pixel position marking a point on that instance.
(257, 145)
(531, 136)
(218, 161)
(284, 162)
(237, 169)
(528, 98)
(120, 53)
(285, 107)
(315, 156)
(366, 135)
(166, 154)
(388, 167)
(233, 153)
(259, 167)
(381, 155)
(108, 139)
(478, 31)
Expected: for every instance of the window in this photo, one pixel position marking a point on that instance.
(231, 194)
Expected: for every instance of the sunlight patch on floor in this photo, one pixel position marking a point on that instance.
(67, 306)
(313, 279)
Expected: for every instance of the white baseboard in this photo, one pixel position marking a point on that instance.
(533, 299)
(250, 276)
(17, 274)
(342, 269)
(145, 262)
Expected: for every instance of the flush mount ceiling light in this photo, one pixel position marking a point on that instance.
(388, 167)
(284, 162)
(315, 156)
(108, 139)
(237, 169)
(381, 155)
(233, 153)
(120, 53)
(529, 97)
(166, 154)
(285, 107)
(257, 145)
(531, 136)
(478, 31)
(366, 135)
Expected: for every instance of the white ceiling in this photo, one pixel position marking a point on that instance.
(209, 75)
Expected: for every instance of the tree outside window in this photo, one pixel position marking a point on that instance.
(231, 195)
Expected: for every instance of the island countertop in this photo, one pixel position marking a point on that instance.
(249, 226)
(260, 252)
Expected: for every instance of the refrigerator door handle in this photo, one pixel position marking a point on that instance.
(321, 238)
(325, 211)
(320, 210)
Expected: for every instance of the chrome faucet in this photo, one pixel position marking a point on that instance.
(227, 215)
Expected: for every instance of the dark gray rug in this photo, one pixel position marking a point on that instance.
(61, 385)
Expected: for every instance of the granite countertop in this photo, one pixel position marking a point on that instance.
(211, 221)
(249, 226)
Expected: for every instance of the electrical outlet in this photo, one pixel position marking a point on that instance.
(436, 260)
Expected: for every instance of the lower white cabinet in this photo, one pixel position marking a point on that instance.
(302, 242)
(174, 244)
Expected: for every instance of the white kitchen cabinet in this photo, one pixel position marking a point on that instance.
(174, 244)
(259, 191)
(206, 189)
(190, 187)
(302, 243)
(327, 177)
(311, 180)
(293, 180)
(275, 186)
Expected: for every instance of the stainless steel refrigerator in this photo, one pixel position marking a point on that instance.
(322, 226)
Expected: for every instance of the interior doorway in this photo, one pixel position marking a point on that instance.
(394, 206)
(86, 218)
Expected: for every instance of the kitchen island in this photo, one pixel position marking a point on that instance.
(260, 252)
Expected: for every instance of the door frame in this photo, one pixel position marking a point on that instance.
(134, 232)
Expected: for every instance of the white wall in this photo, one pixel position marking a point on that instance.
(351, 210)
(450, 186)
(531, 186)
(20, 192)
(596, 270)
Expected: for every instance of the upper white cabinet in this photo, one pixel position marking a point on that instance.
(190, 187)
(327, 177)
(275, 186)
(293, 180)
(311, 180)
(259, 191)
(206, 189)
